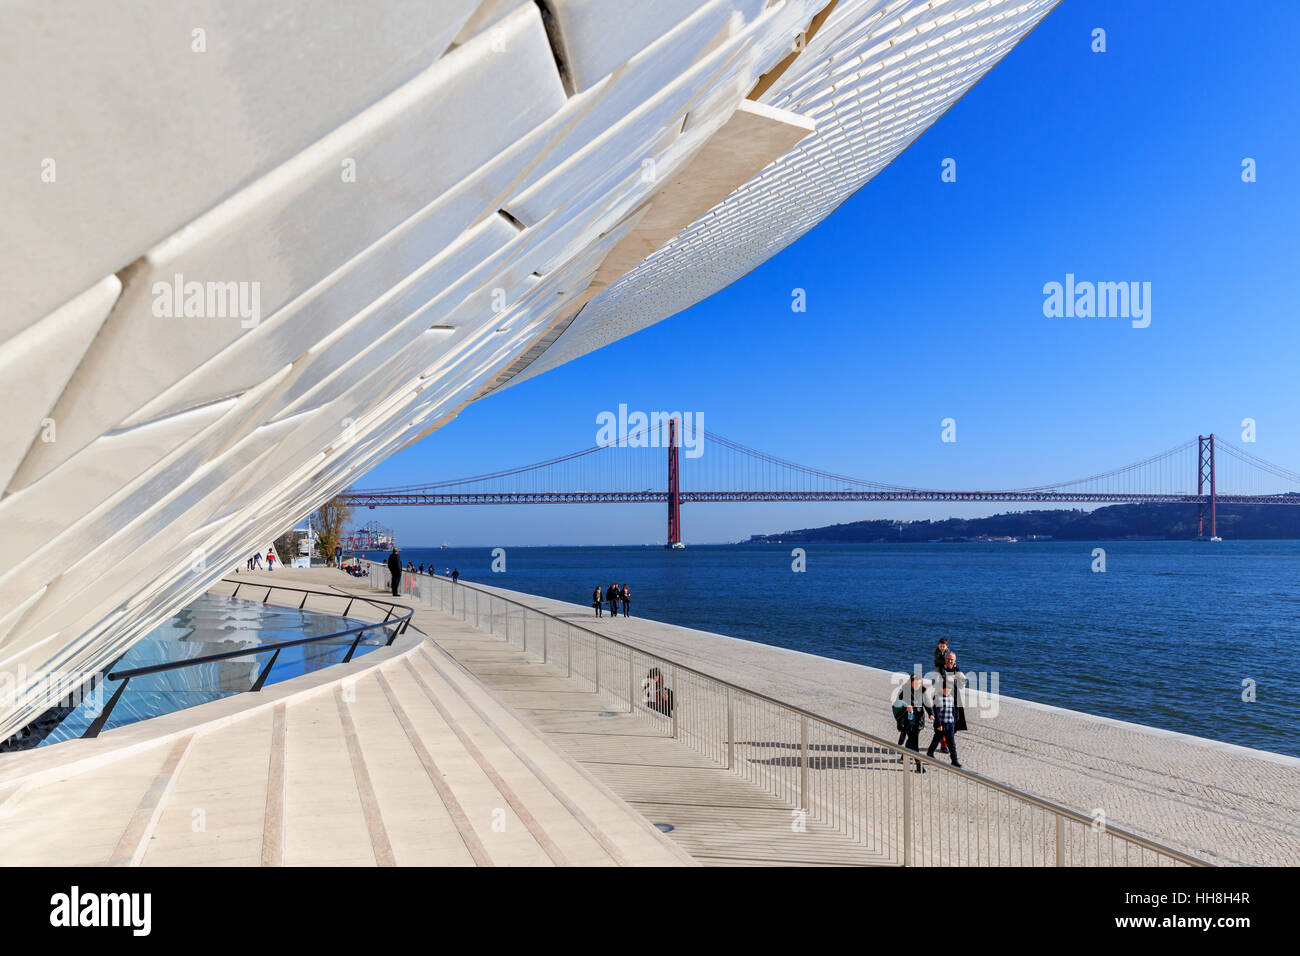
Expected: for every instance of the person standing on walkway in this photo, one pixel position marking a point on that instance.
(270, 559)
(625, 594)
(945, 722)
(611, 596)
(455, 575)
(912, 704)
(949, 676)
(597, 600)
(395, 570)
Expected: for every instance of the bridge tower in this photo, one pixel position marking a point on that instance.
(674, 490)
(1204, 481)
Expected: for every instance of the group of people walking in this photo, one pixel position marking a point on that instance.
(614, 596)
(939, 696)
(255, 562)
(395, 569)
(414, 568)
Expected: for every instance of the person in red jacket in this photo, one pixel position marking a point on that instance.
(270, 559)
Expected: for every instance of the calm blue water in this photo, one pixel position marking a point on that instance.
(1164, 637)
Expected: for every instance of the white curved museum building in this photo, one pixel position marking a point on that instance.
(252, 249)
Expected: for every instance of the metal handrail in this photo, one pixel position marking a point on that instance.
(398, 627)
(907, 754)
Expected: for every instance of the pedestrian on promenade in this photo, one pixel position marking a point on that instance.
(611, 596)
(912, 703)
(270, 559)
(945, 722)
(655, 695)
(257, 558)
(455, 575)
(626, 596)
(949, 676)
(421, 567)
(395, 570)
(597, 600)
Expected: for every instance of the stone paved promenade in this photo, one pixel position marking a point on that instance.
(1227, 804)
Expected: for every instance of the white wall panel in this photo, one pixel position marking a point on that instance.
(145, 133)
(35, 366)
(599, 37)
(296, 226)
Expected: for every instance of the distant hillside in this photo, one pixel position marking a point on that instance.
(1172, 521)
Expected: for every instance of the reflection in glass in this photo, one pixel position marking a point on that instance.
(212, 625)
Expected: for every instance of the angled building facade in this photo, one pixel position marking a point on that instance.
(250, 252)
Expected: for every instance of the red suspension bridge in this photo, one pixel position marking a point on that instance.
(1204, 472)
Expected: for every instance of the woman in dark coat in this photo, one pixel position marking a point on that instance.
(911, 705)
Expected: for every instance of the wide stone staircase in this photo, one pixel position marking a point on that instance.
(410, 762)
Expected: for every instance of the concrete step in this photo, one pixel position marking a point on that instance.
(566, 797)
(216, 813)
(325, 822)
(414, 777)
(79, 820)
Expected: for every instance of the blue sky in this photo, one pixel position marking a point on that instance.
(924, 298)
